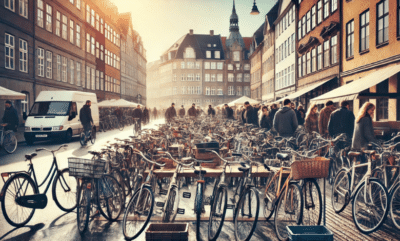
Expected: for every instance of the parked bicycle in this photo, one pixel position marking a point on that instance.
(8, 140)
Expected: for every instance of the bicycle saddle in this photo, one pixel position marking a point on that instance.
(30, 156)
(354, 154)
(282, 156)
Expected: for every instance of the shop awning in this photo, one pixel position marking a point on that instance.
(304, 90)
(6, 94)
(241, 101)
(350, 91)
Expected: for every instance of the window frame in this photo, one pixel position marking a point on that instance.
(361, 27)
(23, 8)
(10, 6)
(333, 50)
(49, 64)
(23, 51)
(40, 58)
(377, 23)
(11, 51)
(350, 33)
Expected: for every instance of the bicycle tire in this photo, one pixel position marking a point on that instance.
(339, 202)
(198, 204)
(117, 174)
(83, 207)
(281, 229)
(10, 142)
(132, 204)
(312, 214)
(220, 197)
(269, 206)
(170, 207)
(8, 198)
(82, 139)
(360, 191)
(240, 209)
(110, 197)
(93, 136)
(62, 182)
(394, 206)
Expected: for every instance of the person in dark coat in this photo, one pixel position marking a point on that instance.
(301, 114)
(228, 112)
(137, 113)
(10, 118)
(155, 113)
(364, 129)
(182, 112)
(264, 123)
(285, 120)
(85, 114)
(210, 111)
(274, 109)
(192, 111)
(146, 115)
(342, 121)
(170, 112)
(250, 114)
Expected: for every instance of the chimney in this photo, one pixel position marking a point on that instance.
(211, 32)
(191, 31)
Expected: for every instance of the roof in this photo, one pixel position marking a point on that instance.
(273, 14)
(247, 42)
(258, 34)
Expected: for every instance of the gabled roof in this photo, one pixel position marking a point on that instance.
(272, 14)
(258, 35)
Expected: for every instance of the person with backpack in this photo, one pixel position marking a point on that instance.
(285, 120)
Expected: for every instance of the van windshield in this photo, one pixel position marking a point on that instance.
(59, 108)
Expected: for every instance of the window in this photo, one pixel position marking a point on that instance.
(189, 53)
(326, 53)
(220, 92)
(319, 58)
(206, 65)
(308, 21)
(71, 31)
(383, 109)
(246, 77)
(313, 60)
(207, 78)
(334, 4)
(239, 77)
(9, 51)
(313, 17)
(230, 66)
(23, 56)
(58, 23)
(197, 65)
(334, 58)
(101, 81)
(208, 54)
(101, 25)
(64, 27)
(174, 90)
(87, 13)
(299, 29)
(220, 65)
(231, 90)
(64, 69)
(247, 67)
(308, 62)
(213, 78)
(231, 77)
(208, 91)
(40, 56)
(78, 36)
(304, 64)
(78, 4)
(319, 11)
(23, 7)
(198, 77)
(247, 91)
(71, 72)
(78, 74)
(236, 56)
(92, 49)
(293, 43)
(182, 65)
(58, 68)
(237, 66)
(92, 17)
(183, 77)
(213, 65)
(94, 80)
(299, 67)
(383, 21)
(217, 54)
(97, 22)
(220, 78)
(364, 31)
(49, 13)
(49, 64)
(239, 90)
(303, 26)
(326, 8)
(39, 13)
(9, 4)
(212, 90)
(350, 39)
(174, 77)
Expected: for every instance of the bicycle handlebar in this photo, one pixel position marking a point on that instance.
(178, 162)
(145, 158)
(52, 151)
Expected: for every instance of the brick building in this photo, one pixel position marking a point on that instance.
(256, 53)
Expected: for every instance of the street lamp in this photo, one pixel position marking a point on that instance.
(254, 10)
(139, 98)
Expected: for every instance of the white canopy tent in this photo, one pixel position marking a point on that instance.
(6, 94)
(241, 101)
(118, 103)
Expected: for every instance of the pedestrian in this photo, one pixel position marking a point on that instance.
(364, 129)
(155, 113)
(228, 112)
(182, 112)
(250, 114)
(285, 120)
(311, 120)
(274, 109)
(145, 115)
(118, 113)
(150, 116)
(170, 113)
(192, 111)
(137, 113)
(264, 122)
(210, 111)
(85, 114)
(300, 115)
(324, 116)
(342, 121)
(10, 117)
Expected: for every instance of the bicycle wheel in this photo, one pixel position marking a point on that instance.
(110, 197)
(370, 206)
(93, 136)
(16, 187)
(82, 139)
(395, 206)
(171, 206)
(198, 204)
(10, 142)
(269, 199)
(217, 213)
(83, 206)
(64, 191)
(340, 191)
(312, 212)
(117, 174)
(288, 214)
(138, 213)
(247, 209)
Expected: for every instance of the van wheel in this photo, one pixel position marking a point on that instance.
(30, 140)
(68, 135)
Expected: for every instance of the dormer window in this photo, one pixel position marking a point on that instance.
(189, 53)
(217, 55)
(215, 45)
(208, 54)
(209, 45)
(236, 56)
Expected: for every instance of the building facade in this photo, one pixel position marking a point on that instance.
(256, 53)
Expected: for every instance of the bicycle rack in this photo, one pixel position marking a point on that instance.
(181, 211)
(186, 194)
(160, 204)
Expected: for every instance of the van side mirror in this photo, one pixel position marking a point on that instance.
(72, 116)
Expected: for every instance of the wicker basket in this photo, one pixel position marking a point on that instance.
(86, 168)
(310, 168)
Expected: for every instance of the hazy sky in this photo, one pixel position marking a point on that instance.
(162, 22)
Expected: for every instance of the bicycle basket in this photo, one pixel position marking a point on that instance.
(310, 168)
(86, 168)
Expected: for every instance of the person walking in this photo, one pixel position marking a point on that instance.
(324, 116)
(182, 112)
(155, 113)
(311, 120)
(228, 112)
(137, 113)
(342, 121)
(10, 117)
(85, 114)
(170, 112)
(250, 114)
(271, 115)
(146, 115)
(285, 120)
(210, 111)
(264, 122)
(192, 111)
(300, 115)
(364, 129)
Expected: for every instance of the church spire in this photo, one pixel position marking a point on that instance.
(234, 20)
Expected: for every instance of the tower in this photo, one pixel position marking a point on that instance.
(234, 35)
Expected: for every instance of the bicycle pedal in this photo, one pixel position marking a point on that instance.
(181, 211)
(186, 194)
(163, 192)
(160, 204)
(230, 206)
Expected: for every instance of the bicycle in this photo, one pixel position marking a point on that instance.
(21, 196)
(370, 197)
(8, 140)
(85, 138)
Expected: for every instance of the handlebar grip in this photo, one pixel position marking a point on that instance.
(267, 167)
(237, 154)
(39, 149)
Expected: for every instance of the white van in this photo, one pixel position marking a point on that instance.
(55, 115)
